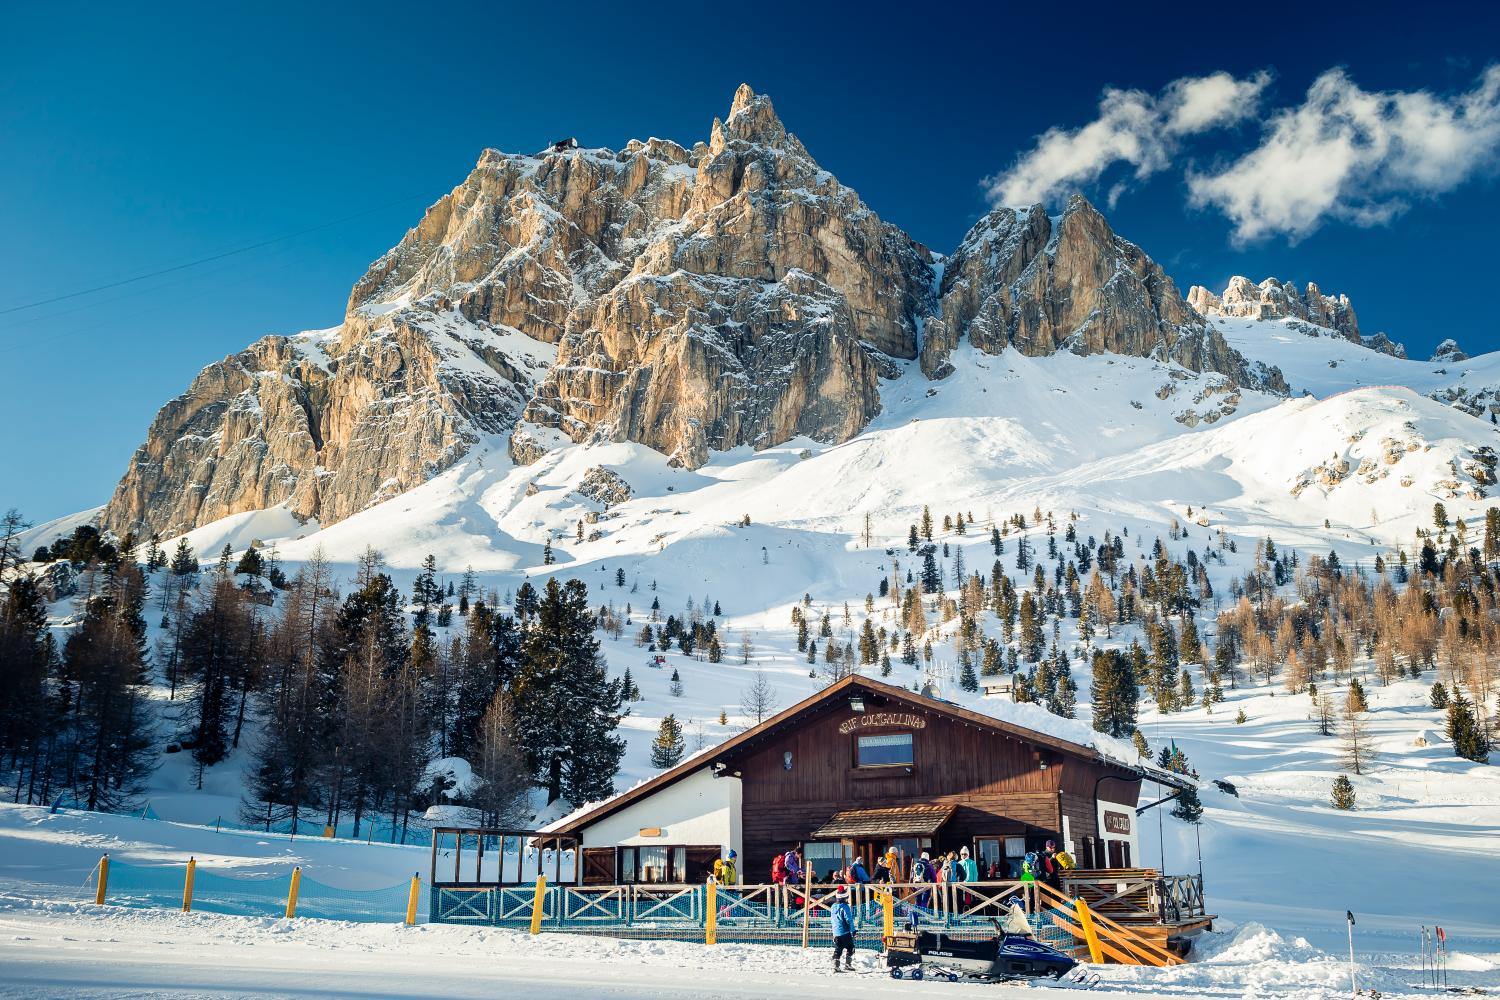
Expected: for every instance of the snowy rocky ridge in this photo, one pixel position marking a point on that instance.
(692, 300)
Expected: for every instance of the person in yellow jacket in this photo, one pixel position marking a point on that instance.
(726, 871)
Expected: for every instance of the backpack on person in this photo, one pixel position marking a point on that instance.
(778, 869)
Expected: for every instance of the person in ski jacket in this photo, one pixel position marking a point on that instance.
(792, 862)
(857, 874)
(1049, 865)
(882, 870)
(893, 864)
(922, 872)
(843, 929)
(724, 870)
(970, 867)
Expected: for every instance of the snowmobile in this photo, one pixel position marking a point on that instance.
(1003, 957)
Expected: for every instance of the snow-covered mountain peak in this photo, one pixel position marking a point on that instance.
(1277, 299)
(1448, 351)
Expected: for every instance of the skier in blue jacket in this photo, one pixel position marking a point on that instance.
(843, 929)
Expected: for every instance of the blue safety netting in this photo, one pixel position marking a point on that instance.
(152, 886)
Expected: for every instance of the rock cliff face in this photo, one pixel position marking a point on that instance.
(326, 423)
(767, 305)
(1038, 284)
(688, 299)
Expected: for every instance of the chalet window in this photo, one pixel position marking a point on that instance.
(885, 751)
(825, 858)
(651, 864)
(666, 864)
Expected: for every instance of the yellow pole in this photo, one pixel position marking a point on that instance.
(187, 886)
(888, 913)
(536, 903)
(103, 880)
(291, 896)
(411, 901)
(711, 915)
(1086, 921)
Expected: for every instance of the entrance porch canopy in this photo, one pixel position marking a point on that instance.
(893, 821)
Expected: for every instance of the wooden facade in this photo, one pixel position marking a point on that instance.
(1002, 784)
(1010, 788)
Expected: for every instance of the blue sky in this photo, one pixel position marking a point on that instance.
(134, 140)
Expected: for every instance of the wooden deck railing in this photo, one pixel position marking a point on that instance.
(1137, 895)
(1127, 897)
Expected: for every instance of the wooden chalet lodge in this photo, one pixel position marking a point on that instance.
(857, 768)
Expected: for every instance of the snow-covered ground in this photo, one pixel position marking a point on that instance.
(1125, 443)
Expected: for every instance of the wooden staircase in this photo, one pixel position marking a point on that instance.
(1099, 937)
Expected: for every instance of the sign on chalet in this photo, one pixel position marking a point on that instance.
(858, 768)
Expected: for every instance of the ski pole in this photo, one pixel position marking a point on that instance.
(1422, 951)
(1353, 988)
(1443, 944)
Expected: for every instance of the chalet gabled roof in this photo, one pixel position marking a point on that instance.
(842, 689)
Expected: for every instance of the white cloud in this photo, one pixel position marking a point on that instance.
(1133, 127)
(1353, 155)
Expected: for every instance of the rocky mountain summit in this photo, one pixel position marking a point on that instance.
(689, 299)
(1276, 299)
(1039, 284)
(1448, 351)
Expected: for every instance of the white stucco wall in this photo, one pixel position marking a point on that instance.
(697, 810)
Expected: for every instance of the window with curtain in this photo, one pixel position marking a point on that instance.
(885, 751)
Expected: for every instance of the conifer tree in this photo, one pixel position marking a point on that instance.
(1114, 694)
(184, 562)
(1356, 697)
(1343, 792)
(1188, 807)
(668, 747)
(567, 710)
(1141, 746)
(108, 730)
(1032, 643)
(1463, 729)
(1438, 698)
(967, 679)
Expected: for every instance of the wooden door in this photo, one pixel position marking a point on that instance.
(598, 866)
